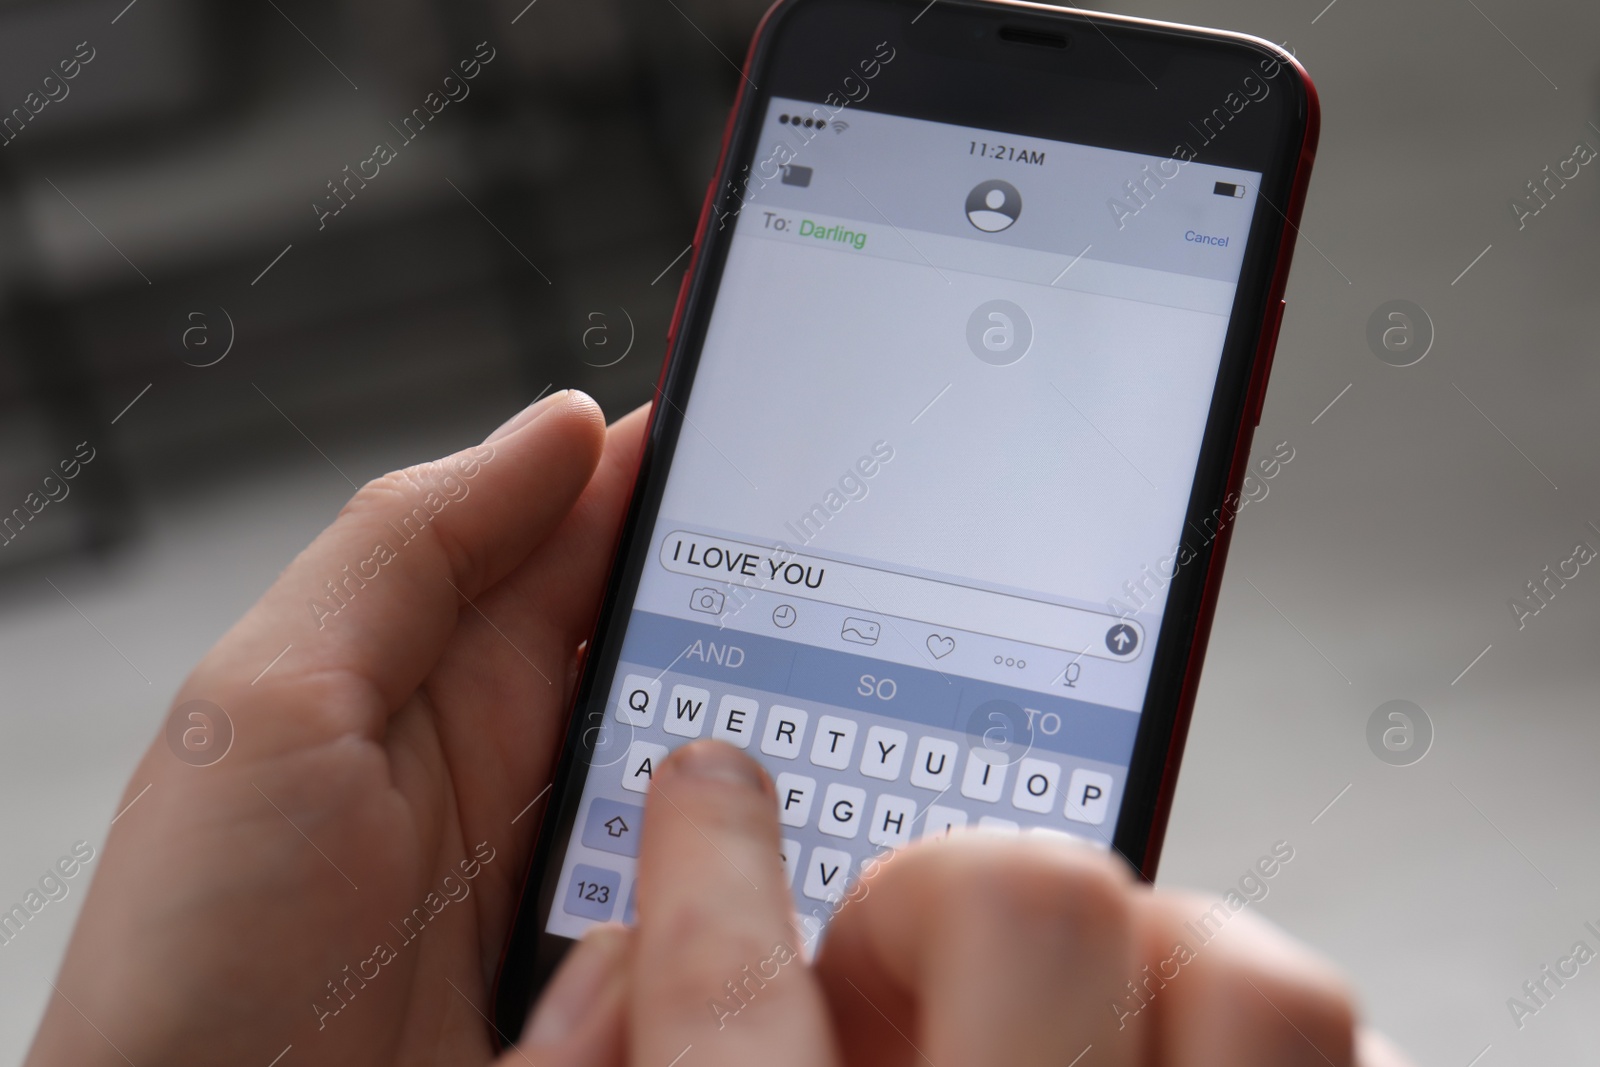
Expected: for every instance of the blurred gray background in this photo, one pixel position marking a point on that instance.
(184, 162)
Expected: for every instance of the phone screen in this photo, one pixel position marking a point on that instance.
(927, 497)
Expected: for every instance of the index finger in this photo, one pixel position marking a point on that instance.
(717, 964)
(982, 949)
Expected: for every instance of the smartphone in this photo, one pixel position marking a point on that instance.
(954, 420)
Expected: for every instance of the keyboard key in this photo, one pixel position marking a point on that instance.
(834, 743)
(784, 730)
(592, 893)
(795, 794)
(985, 776)
(935, 764)
(686, 714)
(639, 767)
(630, 912)
(736, 720)
(613, 826)
(891, 821)
(789, 850)
(1087, 796)
(997, 825)
(636, 704)
(884, 752)
(940, 820)
(826, 874)
(1037, 781)
(841, 810)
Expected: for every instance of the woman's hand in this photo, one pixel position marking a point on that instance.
(337, 887)
(975, 950)
(312, 887)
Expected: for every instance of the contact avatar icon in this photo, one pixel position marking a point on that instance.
(993, 206)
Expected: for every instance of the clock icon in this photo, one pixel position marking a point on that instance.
(783, 616)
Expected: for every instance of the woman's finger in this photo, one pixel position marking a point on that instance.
(982, 949)
(565, 576)
(506, 738)
(1375, 1050)
(374, 598)
(581, 1019)
(1229, 989)
(551, 598)
(717, 965)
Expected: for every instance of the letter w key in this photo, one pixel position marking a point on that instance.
(686, 715)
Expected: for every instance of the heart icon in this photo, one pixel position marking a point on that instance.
(940, 645)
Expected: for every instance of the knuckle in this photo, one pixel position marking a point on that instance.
(1296, 1012)
(1253, 972)
(382, 493)
(407, 486)
(409, 500)
(1083, 894)
(705, 953)
(1047, 886)
(400, 496)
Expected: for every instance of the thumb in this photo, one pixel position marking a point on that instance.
(376, 596)
(581, 1020)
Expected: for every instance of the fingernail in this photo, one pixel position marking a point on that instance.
(717, 761)
(525, 416)
(575, 990)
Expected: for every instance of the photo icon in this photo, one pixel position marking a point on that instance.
(708, 600)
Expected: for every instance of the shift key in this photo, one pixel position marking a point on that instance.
(613, 827)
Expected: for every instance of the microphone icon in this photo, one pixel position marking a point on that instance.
(1072, 672)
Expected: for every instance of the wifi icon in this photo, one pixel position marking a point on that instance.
(840, 126)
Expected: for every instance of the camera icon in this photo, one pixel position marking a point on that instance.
(708, 600)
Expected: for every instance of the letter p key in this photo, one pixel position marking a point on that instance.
(1088, 795)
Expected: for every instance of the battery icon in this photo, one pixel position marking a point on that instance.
(1228, 189)
(793, 174)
